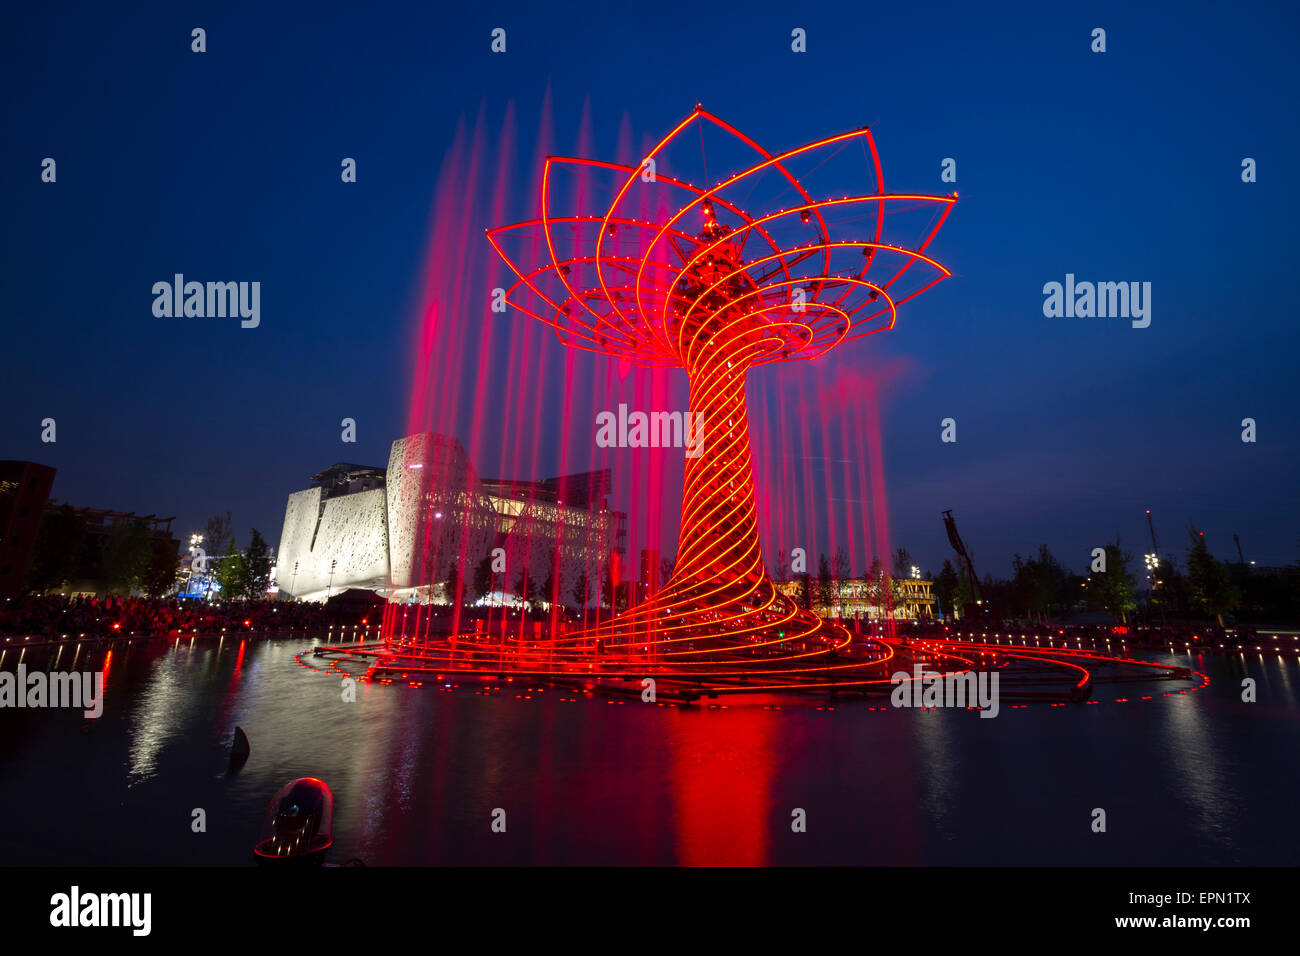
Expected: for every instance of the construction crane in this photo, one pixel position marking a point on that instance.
(963, 556)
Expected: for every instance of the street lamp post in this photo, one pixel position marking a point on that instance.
(195, 540)
(1153, 566)
(329, 590)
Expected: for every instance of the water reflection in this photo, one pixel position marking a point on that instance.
(418, 773)
(723, 762)
(160, 708)
(937, 763)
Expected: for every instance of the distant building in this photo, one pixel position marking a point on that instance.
(649, 579)
(96, 574)
(93, 552)
(914, 602)
(24, 489)
(400, 530)
(918, 599)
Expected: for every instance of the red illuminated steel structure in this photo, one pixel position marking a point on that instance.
(716, 289)
(671, 274)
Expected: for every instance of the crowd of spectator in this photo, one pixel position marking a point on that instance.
(1207, 634)
(56, 615)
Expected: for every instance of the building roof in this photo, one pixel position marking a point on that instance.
(346, 471)
(585, 489)
(97, 517)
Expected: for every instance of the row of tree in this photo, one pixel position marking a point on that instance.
(126, 559)
(825, 589)
(130, 559)
(1199, 587)
(1041, 588)
(526, 585)
(240, 575)
(244, 575)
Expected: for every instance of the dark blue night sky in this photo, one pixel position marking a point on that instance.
(1117, 166)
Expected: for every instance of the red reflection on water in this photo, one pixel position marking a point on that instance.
(723, 768)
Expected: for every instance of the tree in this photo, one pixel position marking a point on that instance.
(1268, 596)
(257, 568)
(840, 570)
(127, 552)
(1114, 589)
(781, 573)
(231, 573)
(1209, 581)
(551, 586)
(1170, 591)
(945, 588)
(607, 585)
(160, 578)
(452, 584)
(483, 577)
(612, 597)
(963, 598)
(806, 591)
(996, 594)
(880, 588)
(902, 563)
(525, 588)
(1039, 585)
(470, 592)
(58, 546)
(217, 534)
(825, 586)
(582, 590)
